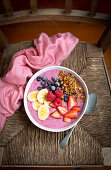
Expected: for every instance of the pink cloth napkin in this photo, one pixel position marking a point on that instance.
(48, 51)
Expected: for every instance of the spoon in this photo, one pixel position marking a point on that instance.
(92, 102)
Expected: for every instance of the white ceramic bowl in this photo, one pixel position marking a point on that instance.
(58, 68)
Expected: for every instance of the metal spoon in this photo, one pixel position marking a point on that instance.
(90, 107)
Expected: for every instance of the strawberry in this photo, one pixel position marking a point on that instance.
(76, 108)
(72, 114)
(56, 115)
(71, 101)
(52, 105)
(62, 110)
(68, 120)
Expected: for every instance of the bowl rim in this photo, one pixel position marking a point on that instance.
(28, 86)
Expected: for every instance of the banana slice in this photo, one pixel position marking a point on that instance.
(43, 112)
(36, 105)
(32, 96)
(42, 95)
(47, 103)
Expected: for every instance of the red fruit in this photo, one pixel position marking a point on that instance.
(57, 102)
(58, 93)
(72, 114)
(62, 110)
(77, 108)
(68, 120)
(52, 105)
(50, 96)
(71, 102)
(56, 115)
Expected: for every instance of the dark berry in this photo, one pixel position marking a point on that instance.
(53, 88)
(39, 78)
(54, 79)
(66, 99)
(43, 86)
(44, 78)
(57, 84)
(39, 88)
(52, 83)
(65, 94)
(43, 83)
(60, 81)
(58, 88)
(49, 82)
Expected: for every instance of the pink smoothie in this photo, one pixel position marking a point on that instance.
(49, 122)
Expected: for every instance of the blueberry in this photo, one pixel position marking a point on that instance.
(39, 88)
(48, 87)
(57, 84)
(43, 83)
(66, 99)
(53, 88)
(60, 81)
(43, 86)
(54, 79)
(52, 83)
(49, 82)
(58, 88)
(44, 78)
(65, 94)
(38, 78)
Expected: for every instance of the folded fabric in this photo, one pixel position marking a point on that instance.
(48, 51)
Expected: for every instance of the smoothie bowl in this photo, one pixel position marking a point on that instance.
(55, 98)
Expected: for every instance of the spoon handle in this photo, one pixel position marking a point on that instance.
(64, 142)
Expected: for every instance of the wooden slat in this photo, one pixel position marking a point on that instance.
(94, 6)
(1, 154)
(105, 39)
(3, 41)
(34, 6)
(68, 6)
(8, 7)
(54, 14)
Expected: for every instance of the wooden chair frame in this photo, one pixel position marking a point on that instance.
(66, 14)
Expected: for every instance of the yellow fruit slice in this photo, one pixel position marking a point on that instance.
(43, 112)
(36, 105)
(32, 96)
(47, 103)
(42, 95)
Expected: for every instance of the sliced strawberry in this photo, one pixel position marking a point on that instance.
(68, 120)
(52, 105)
(62, 110)
(56, 114)
(76, 108)
(72, 114)
(71, 102)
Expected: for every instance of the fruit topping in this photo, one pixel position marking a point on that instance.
(53, 88)
(68, 120)
(77, 108)
(42, 95)
(39, 88)
(52, 105)
(54, 79)
(66, 98)
(43, 86)
(58, 88)
(43, 112)
(57, 84)
(50, 96)
(56, 115)
(58, 93)
(62, 110)
(43, 83)
(71, 101)
(32, 96)
(39, 78)
(49, 82)
(72, 114)
(44, 78)
(36, 105)
(57, 102)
